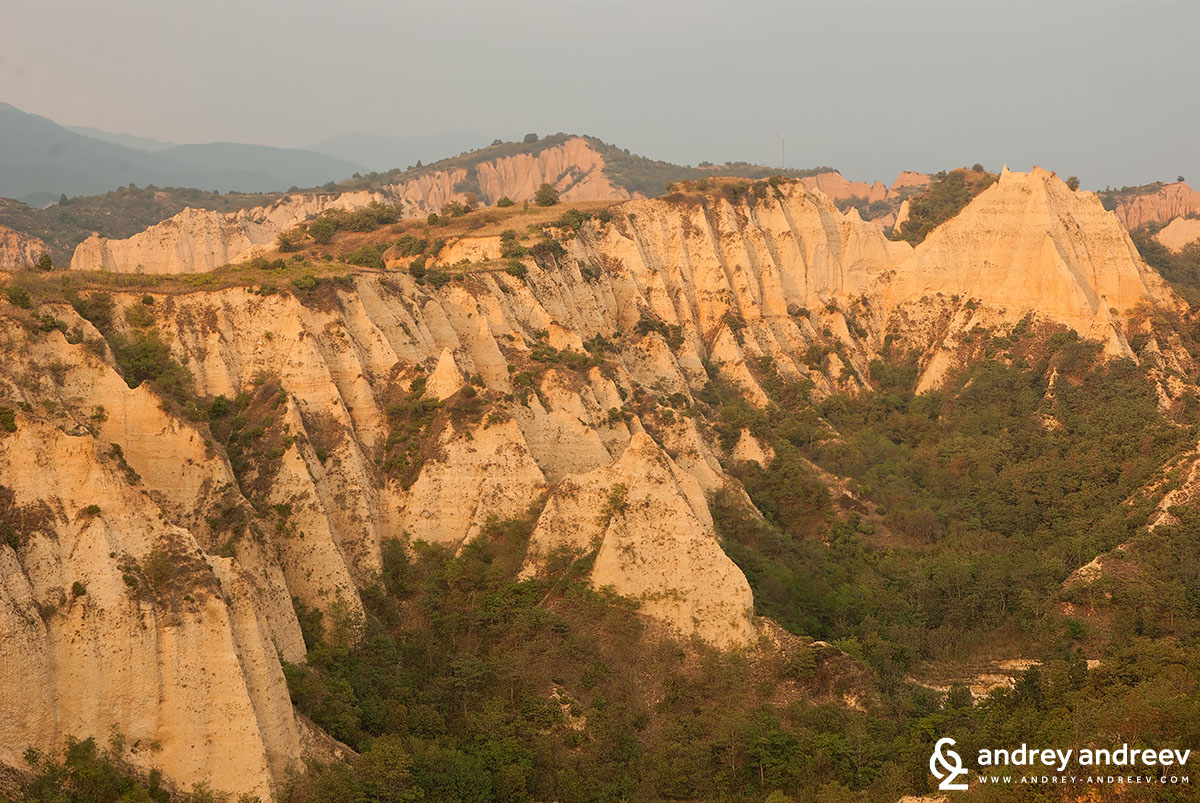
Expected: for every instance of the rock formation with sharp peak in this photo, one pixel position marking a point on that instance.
(1030, 244)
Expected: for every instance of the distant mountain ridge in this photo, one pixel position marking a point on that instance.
(41, 160)
(127, 140)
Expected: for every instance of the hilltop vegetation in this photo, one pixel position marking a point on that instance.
(944, 198)
(630, 171)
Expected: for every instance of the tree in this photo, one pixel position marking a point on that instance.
(530, 139)
(62, 199)
(287, 241)
(44, 262)
(1073, 183)
(1180, 179)
(545, 196)
(385, 772)
(322, 230)
(504, 200)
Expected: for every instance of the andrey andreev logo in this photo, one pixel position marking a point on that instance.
(946, 765)
(1123, 764)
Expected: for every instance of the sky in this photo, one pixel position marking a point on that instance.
(1102, 89)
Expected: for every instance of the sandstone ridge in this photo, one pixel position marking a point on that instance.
(521, 424)
(198, 240)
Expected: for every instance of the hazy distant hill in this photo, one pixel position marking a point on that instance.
(38, 156)
(260, 168)
(382, 153)
(41, 160)
(127, 140)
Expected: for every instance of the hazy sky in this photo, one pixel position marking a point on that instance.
(1105, 89)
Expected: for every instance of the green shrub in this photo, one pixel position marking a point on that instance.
(219, 408)
(516, 268)
(571, 219)
(504, 201)
(546, 195)
(158, 568)
(454, 209)
(138, 316)
(305, 283)
(287, 241)
(545, 251)
(322, 230)
(96, 308)
(18, 297)
(147, 357)
(8, 419)
(78, 589)
(510, 248)
(367, 256)
(410, 245)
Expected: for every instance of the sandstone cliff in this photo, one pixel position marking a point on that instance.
(19, 250)
(1157, 205)
(1179, 233)
(838, 188)
(198, 240)
(1029, 244)
(574, 168)
(422, 411)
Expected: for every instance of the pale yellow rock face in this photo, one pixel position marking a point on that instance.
(472, 249)
(573, 168)
(181, 667)
(648, 524)
(678, 287)
(485, 473)
(1180, 232)
(1168, 201)
(1029, 244)
(901, 216)
(910, 180)
(19, 250)
(198, 240)
(749, 449)
(446, 379)
(838, 187)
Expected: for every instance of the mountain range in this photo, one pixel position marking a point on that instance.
(41, 161)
